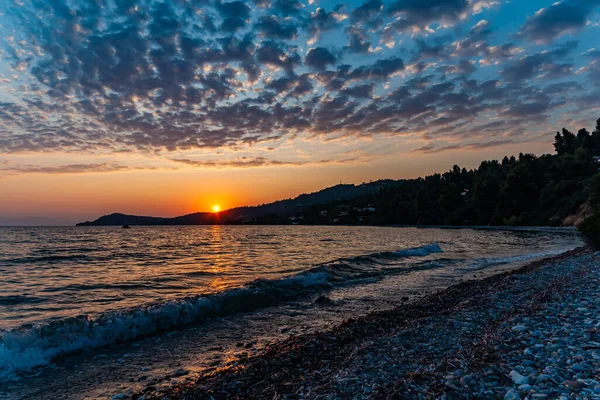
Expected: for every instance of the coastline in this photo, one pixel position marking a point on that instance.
(455, 342)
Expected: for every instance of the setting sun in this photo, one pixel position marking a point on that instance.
(216, 208)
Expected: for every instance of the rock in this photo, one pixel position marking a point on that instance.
(119, 396)
(578, 368)
(525, 387)
(517, 378)
(543, 377)
(512, 395)
(597, 389)
(180, 372)
(322, 300)
(575, 384)
(503, 347)
(452, 386)
(519, 328)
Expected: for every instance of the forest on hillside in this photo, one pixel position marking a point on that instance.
(523, 190)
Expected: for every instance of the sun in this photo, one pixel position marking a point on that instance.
(216, 208)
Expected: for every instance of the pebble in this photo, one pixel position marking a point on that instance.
(578, 368)
(543, 341)
(517, 378)
(575, 384)
(119, 396)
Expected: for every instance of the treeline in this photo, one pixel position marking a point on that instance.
(523, 190)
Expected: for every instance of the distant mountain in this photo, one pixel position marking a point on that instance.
(281, 208)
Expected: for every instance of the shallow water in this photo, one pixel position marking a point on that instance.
(70, 289)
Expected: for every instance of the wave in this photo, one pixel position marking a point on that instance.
(481, 263)
(26, 348)
(420, 251)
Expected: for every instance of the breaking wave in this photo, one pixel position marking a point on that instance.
(28, 347)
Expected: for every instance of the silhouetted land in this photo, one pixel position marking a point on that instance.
(552, 189)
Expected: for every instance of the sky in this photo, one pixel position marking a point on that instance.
(166, 108)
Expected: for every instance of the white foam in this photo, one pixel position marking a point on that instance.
(421, 251)
(24, 349)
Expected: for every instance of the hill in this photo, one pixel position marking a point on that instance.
(552, 189)
(277, 212)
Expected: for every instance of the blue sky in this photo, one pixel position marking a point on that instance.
(386, 87)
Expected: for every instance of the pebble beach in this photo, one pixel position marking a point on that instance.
(532, 333)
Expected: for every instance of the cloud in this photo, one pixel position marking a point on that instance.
(321, 21)
(560, 18)
(542, 64)
(270, 27)
(431, 149)
(66, 169)
(235, 14)
(319, 58)
(164, 77)
(381, 69)
(418, 15)
(358, 41)
(253, 162)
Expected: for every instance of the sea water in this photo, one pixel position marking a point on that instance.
(68, 290)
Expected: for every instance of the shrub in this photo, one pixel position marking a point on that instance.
(590, 229)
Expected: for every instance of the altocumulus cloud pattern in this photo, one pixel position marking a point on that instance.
(164, 76)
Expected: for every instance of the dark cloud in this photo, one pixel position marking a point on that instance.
(419, 14)
(156, 77)
(367, 10)
(321, 21)
(593, 67)
(363, 91)
(540, 64)
(562, 17)
(431, 149)
(381, 69)
(319, 58)
(273, 54)
(235, 14)
(252, 162)
(270, 27)
(358, 41)
(287, 7)
(436, 49)
(66, 169)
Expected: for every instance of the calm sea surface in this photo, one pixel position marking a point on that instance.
(67, 289)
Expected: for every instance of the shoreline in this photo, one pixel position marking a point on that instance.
(540, 228)
(353, 359)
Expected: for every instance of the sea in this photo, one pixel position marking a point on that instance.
(90, 312)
